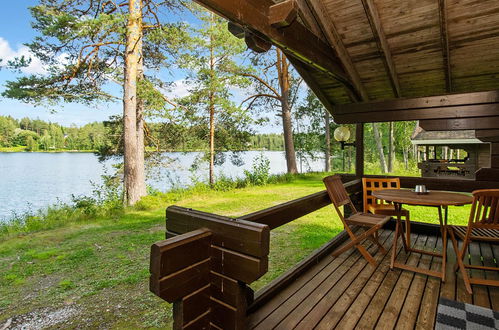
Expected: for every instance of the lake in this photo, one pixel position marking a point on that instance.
(31, 181)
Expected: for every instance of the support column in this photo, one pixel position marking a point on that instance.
(359, 153)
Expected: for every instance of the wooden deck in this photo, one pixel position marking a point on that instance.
(345, 292)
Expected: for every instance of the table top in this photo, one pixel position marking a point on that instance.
(433, 198)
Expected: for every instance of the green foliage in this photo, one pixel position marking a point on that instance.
(36, 134)
(260, 172)
(213, 58)
(267, 142)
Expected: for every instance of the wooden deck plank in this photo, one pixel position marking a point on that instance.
(285, 305)
(480, 292)
(309, 315)
(491, 253)
(372, 307)
(429, 302)
(448, 288)
(283, 295)
(347, 293)
(369, 277)
(409, 312)
(394, 305)
(282, 316)
(461, 293)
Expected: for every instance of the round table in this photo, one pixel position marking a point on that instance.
(439, 199)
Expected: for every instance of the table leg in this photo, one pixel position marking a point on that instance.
(407, 232)
(398, 208)
(443, 228)
(398, 232)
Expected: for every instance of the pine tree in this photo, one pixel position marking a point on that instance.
(212, 58)
(85, 46)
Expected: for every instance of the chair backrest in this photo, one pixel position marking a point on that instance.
(338, 194)
(371, 184)
(485, 209)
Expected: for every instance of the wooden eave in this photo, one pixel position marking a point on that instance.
(370, 50)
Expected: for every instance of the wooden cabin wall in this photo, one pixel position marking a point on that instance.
(483, 155)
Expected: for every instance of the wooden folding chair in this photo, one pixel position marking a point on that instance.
(370, 222)
(377, 206)
(483, 225)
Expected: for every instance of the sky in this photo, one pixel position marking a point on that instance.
(15, 31)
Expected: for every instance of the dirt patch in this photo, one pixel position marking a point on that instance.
(40, 319)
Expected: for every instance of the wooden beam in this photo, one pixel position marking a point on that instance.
(295, 39)
(281, 214)
(283, 13)
(379, 36)
(444, 37)
(311, 82)
(309, 19)
(460, 124)
(464, 111)
(334, 39)
(422, 102)
(467, 105)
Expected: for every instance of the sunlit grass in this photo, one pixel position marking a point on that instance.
(100, 265)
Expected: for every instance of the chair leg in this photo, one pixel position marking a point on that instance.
(374, 238)
(394, 247)
(344, 248)
(459, 260)
(366, 254)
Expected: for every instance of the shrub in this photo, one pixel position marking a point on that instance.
(260, 171)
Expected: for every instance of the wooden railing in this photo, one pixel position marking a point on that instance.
(208, 261)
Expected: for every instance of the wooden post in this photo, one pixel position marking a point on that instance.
(205, 265)
(359, 154)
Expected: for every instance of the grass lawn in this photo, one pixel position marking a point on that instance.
(96, 274)
(13, 149)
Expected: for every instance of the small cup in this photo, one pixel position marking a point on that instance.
(420, 188)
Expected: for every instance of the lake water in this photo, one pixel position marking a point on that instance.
(31, 181)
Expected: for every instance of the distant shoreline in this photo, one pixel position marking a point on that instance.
(23, 150)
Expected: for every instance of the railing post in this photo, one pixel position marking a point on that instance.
(236, 255)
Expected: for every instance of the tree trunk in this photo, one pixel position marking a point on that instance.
(391, 148)
(141, 173)
(283, 73)
(212, 114)
(406, 157)
(132, 55)
(379, 146)
(327, 151)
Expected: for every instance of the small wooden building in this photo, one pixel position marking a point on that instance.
(436, 61)
(450, 154)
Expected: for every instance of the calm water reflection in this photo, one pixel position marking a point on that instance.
(36, 180)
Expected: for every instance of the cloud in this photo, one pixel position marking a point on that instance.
(7, 54)
(179, 89)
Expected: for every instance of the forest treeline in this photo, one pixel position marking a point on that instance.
(40, 135)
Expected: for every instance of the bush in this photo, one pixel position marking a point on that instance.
(105, 202)
(260, 171)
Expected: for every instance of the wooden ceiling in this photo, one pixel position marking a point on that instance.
(351, 51)
(411, 48)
